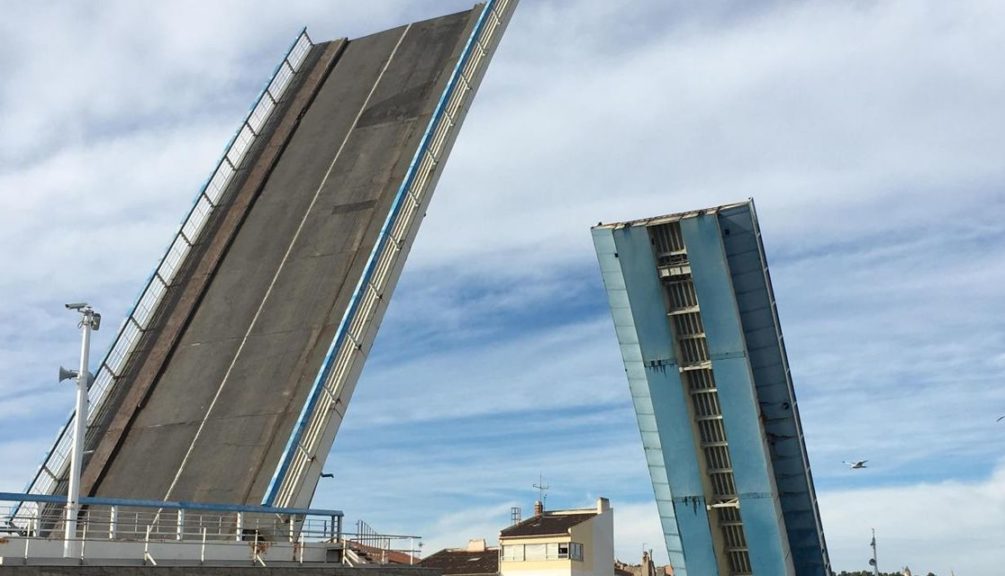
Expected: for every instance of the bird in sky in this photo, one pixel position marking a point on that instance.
(1000, 418)
(856, 465)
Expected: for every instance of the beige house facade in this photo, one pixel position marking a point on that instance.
(560, 543)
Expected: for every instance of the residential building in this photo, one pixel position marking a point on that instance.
(560, 543)
(695, 315)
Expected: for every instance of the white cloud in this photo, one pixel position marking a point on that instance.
(571, 366)
(20, 461)
(455, 528)
(831, 136)
(938, 527)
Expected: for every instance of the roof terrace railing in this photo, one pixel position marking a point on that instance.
(56, 460)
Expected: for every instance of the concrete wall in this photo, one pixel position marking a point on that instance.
(597, 537)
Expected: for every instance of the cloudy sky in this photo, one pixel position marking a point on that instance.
(871, 135)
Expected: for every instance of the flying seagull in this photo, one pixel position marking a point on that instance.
(856, 465)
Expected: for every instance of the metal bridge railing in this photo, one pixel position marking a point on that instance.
(56, 461)
(179, 532)
(121, 519)
(191, 532)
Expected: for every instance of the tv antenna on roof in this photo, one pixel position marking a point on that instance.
(542, 489)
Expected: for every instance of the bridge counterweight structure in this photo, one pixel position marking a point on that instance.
(696, 318)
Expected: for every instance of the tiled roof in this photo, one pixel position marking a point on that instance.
(464, 562)
(546, 525)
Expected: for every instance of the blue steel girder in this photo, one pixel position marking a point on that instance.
(636, 301)
(752, 467)
(776, 394)
(718, 255)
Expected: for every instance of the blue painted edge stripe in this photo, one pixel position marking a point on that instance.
(298, 429)
(146, 286)
(168, 504)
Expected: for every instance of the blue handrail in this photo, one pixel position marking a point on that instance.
(169, 505)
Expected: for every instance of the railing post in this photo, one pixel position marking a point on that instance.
(255, 556)
(83, 540)
(180, 534)
(113, 517)
(146, 549)
(240, 525)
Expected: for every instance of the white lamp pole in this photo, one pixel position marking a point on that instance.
(89, 320)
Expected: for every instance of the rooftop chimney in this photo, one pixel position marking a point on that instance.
(538, 508)
(603, 505)
(476, 545)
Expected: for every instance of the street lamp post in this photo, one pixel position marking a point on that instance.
(89, 320)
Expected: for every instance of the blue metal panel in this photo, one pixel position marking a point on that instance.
(679, 453)
(747, 449)
(759, 507)
(639, 311)
(768, 545)
(638, 384)
(645, 294)
(776, 395)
